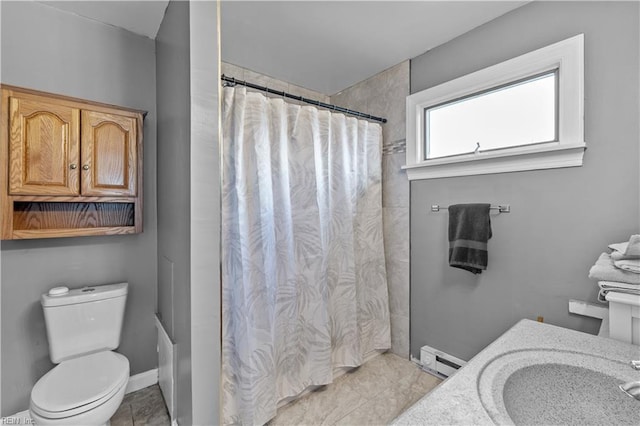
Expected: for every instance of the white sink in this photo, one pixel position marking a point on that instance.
(546, 386)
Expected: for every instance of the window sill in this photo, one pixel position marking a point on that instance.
(549, 156)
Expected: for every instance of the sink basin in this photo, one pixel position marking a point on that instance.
(543, 386)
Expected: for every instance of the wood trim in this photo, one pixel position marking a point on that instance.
(58, 233)
(71, 199)
(140, 171)
(6, 205)
(74, 102)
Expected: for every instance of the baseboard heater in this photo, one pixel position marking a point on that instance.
(439, 363)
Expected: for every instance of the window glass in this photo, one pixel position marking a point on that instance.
(519, 113)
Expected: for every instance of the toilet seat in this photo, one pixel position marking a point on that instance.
(78, 385)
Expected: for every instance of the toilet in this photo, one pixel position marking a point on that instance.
(89, 382)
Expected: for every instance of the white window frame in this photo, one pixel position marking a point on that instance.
(567, 56)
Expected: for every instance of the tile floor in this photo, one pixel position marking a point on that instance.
(143, 407)
(373, 394)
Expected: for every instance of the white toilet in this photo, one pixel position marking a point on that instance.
(88, 384)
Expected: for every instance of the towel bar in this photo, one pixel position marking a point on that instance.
(501, 209)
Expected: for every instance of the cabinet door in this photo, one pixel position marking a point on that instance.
(43, 147)
(109, 154)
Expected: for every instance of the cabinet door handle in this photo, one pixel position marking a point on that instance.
(73, 166)
(85, 167)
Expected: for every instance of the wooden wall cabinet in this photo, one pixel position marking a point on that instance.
(68, 167)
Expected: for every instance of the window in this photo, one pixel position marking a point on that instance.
(522, 114)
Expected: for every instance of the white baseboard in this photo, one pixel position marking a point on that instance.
(142, 380)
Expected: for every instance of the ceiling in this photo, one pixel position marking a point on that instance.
(140, 17)
(326, 46)
(330, 45)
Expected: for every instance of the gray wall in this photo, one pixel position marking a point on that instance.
(174, 221)
(205, 213)
(189, 203)
(560, 219)
(46, 49)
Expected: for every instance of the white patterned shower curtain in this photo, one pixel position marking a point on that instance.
(303, 273)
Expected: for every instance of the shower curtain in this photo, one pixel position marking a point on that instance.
(303, 270)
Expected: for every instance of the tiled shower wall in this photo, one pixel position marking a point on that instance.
(384, 95)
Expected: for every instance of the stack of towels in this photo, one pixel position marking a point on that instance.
(619, 270)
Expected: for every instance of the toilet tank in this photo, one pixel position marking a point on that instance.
(83, 320)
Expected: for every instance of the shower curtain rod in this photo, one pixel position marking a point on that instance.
(234, 81)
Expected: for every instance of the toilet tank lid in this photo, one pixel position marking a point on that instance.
(85, 294)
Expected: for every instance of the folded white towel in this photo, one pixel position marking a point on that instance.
(631, 265)
(607, 286)
(633, 248)
(618, 255)
(626, 250)
(621, 247)
(605, 270)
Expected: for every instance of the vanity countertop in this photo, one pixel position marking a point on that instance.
(457, 399)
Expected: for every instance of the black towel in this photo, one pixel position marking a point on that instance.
(469, 231)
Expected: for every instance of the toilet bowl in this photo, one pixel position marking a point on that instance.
(82, 391)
